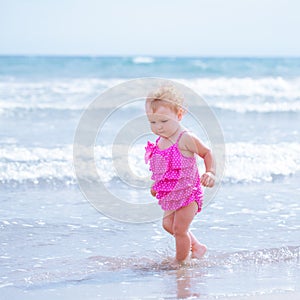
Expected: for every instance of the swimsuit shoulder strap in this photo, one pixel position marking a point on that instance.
(157, 140)
(180, 135)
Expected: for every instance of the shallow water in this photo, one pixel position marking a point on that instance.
(55, 245)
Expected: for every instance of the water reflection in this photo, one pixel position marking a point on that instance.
(184, 280)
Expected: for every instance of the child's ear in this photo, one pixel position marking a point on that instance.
(180, 114)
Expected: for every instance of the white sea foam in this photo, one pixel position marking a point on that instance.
(268, 94)
(143, 60)
(72, 94)
(245, 162)
(265, 107)
(275, 87)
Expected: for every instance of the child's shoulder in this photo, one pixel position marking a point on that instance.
(187, 137)
(191, 143)
(187, 140)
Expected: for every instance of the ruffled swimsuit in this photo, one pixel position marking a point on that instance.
(176, 177)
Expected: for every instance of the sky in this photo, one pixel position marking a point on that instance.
(150, 27)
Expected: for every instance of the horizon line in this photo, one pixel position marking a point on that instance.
(148, 56)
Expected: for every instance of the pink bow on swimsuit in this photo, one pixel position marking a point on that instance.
(149, 151)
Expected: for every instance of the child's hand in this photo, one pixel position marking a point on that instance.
(208, 179)
(153, 192)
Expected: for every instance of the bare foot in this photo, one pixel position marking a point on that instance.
(178, 264)
(199, 251)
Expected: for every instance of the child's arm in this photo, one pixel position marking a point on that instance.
(194, 145)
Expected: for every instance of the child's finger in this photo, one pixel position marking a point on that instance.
(153, 192)
(207, 180)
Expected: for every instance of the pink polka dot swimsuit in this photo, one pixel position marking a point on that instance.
(176, 177)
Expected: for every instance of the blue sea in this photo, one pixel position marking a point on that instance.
(55, 245)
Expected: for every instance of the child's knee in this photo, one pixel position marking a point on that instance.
(167, 225)
(179, 230)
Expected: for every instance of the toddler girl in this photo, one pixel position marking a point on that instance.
(177, 184)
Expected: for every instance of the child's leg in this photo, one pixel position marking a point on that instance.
(168, 221)
(198, 249)
(182, 220)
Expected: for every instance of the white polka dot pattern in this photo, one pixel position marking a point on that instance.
(176, 177)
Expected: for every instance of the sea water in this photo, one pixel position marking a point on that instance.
(54, 244)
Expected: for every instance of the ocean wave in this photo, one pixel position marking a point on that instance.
(19, 165)
(268, 94)
(275, 87)
(265, 107)
(143, 60)
(96, 268)
(245, 163)
(72, 94)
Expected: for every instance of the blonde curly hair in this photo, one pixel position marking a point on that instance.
(168, 96)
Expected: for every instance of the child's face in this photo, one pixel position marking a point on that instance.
(164, 121)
